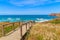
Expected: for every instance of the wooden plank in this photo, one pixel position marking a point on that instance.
(23, 29)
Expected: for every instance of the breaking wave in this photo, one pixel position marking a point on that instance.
(41, 20)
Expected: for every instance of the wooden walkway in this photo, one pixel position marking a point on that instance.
(18, 34)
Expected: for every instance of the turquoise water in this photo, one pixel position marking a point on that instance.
(16, 18)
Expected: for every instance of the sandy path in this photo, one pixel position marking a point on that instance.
(14, 36)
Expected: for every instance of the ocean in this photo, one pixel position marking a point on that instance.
(25, 18)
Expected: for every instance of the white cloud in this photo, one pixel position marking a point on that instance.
(3, 0)
(32, 2)
(57, 0)
(27, 2)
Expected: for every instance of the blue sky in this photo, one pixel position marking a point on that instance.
(29, 7)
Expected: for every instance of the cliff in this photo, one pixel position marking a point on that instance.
(55, 14)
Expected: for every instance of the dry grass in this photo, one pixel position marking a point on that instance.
(8, 27)
(44, 31)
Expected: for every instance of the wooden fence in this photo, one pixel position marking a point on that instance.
(5, 29)
(24, 28)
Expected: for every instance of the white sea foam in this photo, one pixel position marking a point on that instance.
(9, 19)
(41, 20)
(17, 18)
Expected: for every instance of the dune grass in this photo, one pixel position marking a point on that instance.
(55, 21)
(8, 28)
(45, 31)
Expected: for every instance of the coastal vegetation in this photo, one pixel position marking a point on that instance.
(45, 31)
(5, 27)
(55, 21)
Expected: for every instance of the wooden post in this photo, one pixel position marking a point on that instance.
(31, 23)
(34, 22)
(21, 31)
(13, 27)
(13, 24)
(3, 33)
(19, 23)
(26, 26)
